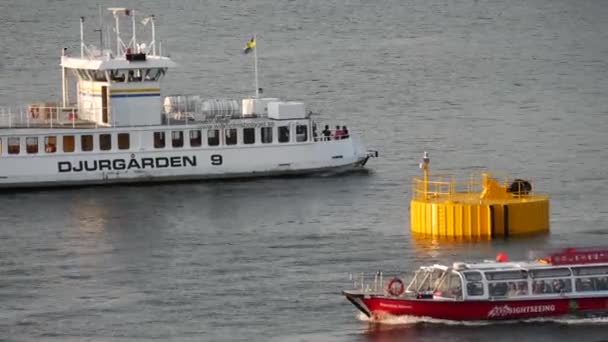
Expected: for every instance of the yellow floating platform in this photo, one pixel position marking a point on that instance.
(481, 208)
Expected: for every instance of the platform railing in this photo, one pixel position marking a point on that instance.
(446, 187)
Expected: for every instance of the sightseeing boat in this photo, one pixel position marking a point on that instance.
(120, 129)
(566, 282)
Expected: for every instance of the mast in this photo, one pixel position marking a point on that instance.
(255, 66)
(81, 37)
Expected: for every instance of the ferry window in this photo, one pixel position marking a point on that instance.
(105, 142)
(301, 133)
(213, 137)
(0, 146)
(579, 271)
(117, 75)
(266, 134)
(551, 286)
(31, 144)
(508, 289)
(475, 289)
(195, 138)
(68, 143)
(591, 284)
(13, 145)
(159, 139)
(123, 141)
(230, 136)
(550, 273)
(99, 75)
(451, 286)
(249, 135)
(50, 144)
(283, 134)
(86, 142)
(177, 139)
(504, 275)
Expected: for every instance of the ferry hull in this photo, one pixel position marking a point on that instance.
(380, 307)
(179, 165)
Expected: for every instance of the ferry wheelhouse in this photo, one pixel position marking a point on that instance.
(566, 282)
(120, 129)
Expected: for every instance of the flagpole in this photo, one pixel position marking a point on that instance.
(255, 66)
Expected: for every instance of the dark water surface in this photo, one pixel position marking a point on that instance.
(514, 86)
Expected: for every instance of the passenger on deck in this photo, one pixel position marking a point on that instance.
(522, 289)
(512, 290)
(326, 133)
(344, 132)
(338, 133)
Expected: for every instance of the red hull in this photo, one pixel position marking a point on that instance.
(379, 307)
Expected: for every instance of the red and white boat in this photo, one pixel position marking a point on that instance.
(566, 282)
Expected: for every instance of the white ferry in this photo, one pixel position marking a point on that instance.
(119, 129)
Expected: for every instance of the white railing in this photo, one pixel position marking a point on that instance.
(38, 116)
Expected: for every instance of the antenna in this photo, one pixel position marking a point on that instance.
(100, 29)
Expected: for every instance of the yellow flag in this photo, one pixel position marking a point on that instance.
(250, 46)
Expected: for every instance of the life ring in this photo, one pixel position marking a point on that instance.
(400, 288)
(34, 112)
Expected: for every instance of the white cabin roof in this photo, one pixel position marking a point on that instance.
(107, 62)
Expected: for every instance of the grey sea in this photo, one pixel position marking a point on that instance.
(518, 86)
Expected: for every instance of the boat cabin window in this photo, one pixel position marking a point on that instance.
(551, 286)
(154, 74)
(105, 142)
(177, 139)
(231, 136)
(505, 275)
(474, 283)
(426, 280)
(86, 143)
(550, 273)
(588, 284)
(0, 146)
(579, 271)
(283, 134)
(31, 144)
(249, 135)
(82, 74)
(195, 138)
(301, 133)
(99, 75)
(159, 139)
(69, 143)
(124, 142)
(266, 135)
(50, 144)
(450, 286)
(213, 137)
(508, 288)
(117, 76)
(13, 145)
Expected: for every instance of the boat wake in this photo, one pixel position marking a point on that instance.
(412, 320)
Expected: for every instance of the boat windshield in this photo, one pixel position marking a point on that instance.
(425, 280)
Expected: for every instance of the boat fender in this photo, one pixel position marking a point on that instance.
(395, 287)
(34, 112)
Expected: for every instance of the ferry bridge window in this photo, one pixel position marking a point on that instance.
(177, 139)
(0, 146)
(105, 142)
(31, 144)
(99, 75)
(213, 137)
(159, 139)
(301, 133)
(117, 75)
(551, 286)
(249, 135)
(195, 138)
(266, 135)
(231, 136)
(283, 134)
(69, 143)
(13, 145)
(86, 143)
(50, 144)
(123, 141)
